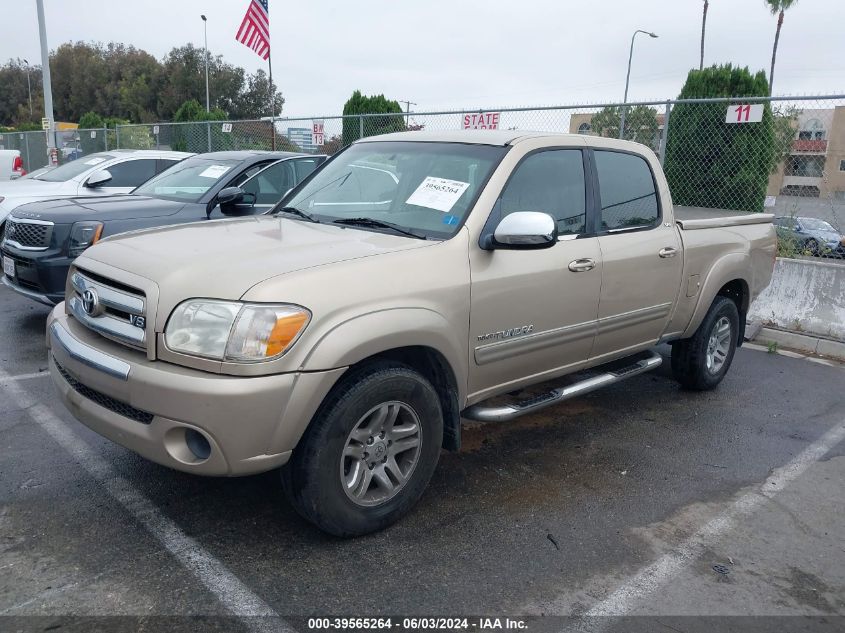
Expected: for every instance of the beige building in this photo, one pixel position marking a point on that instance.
(816, 165)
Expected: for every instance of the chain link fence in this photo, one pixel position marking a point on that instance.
(782, 155)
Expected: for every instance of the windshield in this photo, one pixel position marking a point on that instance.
(425, 187)
(816, 225)
(188, 180)
(74, 168)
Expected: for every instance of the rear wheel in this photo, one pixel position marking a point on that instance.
(701, 362)
(369, 452)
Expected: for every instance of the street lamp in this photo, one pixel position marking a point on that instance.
(28, 87)
(628, 79)
(205, 36)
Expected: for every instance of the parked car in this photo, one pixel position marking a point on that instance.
(811, 235)
(106, 173)
(41, 239)
(346, 333)
(11, 164)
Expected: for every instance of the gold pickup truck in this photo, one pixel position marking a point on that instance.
(414, 280)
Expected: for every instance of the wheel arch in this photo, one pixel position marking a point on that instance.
(727, 277)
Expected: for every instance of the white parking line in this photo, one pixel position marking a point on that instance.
(233, 594)
(37, 374)
(651, 578)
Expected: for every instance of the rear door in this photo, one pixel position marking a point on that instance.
(642, 262)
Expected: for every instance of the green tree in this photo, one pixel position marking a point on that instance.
(710, 163)
(379, 104)
(778, 8)
(640, 124)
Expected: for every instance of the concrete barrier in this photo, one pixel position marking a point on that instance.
(804, 296)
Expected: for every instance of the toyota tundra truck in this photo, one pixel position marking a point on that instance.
(414, 280)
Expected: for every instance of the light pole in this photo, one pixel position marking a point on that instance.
(28, 87)
(205, 49)
(628, 79)
(408, 105)
(47, 85)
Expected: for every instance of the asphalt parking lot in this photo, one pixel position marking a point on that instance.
(638, 500)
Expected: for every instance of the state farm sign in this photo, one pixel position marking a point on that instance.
(482, 120)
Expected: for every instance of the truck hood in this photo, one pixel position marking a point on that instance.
(103, 208)
(224, 258)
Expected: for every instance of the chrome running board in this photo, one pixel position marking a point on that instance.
(510, 411)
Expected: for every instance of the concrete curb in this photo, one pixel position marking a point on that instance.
(802, 343)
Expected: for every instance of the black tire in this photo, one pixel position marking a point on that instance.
(690, 356)
(312, 478)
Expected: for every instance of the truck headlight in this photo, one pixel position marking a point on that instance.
(235, 331)
(83, 235)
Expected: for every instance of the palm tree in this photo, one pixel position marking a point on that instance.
(703, 29)
(777, 7)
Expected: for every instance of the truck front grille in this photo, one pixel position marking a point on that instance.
(109, 308)
(107, 402)
(28, 234)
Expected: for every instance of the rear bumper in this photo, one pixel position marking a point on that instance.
(251, 424)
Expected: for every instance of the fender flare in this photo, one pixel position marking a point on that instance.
(361, 337)
(727, 268)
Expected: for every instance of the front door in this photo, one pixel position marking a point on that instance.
(642, 261)
(533, 312)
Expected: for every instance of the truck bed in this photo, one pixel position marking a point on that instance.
(692, 218)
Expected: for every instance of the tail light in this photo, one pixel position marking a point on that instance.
(17, 167)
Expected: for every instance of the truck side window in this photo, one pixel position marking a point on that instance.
(628, 195)
(552, 182)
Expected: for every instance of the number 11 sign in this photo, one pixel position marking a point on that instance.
(744, 113)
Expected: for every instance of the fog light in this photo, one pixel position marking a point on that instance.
(197, 444)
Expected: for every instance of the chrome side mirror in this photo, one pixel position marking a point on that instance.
(525, 230)
(98, 178)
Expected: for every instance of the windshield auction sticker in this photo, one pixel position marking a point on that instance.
(215, 171)
(438, 193)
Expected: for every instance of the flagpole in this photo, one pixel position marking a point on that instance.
(272, 101)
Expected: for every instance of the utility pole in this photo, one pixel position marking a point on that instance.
(46, 82)
(205, 51)
(408, 105)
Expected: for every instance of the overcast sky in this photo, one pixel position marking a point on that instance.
(464, 53)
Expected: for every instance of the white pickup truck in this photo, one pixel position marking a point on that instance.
(11, 164)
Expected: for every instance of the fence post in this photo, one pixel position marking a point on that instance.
(105, 139)
(117, 137)
(665, 136)
(360, 126)
(208, 131)
(26, 144)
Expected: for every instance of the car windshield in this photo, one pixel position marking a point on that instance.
(427, 188)
(74, 168)
(816, 225)
(188, 180)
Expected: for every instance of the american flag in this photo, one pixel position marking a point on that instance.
(255, 29)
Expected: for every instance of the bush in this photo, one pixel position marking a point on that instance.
(640, 124)
(713, 164)
(359, 104)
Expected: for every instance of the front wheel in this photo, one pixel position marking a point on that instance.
(701, 362)
(369, 452)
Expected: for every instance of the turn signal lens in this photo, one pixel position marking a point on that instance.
(265, 331)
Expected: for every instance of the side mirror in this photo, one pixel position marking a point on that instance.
(525, 230)
(98, 178)
(234, 201)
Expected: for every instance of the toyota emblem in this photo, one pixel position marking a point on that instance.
(90, 302)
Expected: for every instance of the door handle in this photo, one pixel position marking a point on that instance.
(669, 251)
(582, 265)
